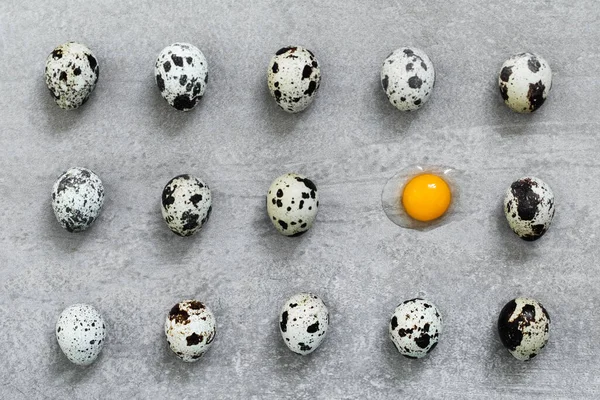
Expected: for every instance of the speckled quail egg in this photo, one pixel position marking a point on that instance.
(293, 78)
(190, 328)
(525, 80)
(181, 72)
(77, 199)
(422, 197)
(71, 74)
(415, 328)
(303, 322)
(292, 204)
(523, 327)
(529, 207)
(407, 77)
(186, 204)
(81, 333)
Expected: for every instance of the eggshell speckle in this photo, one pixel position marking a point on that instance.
(81, 333)
(293, 78)
(292, 204)
(529, 207)
(71, 74)
(525, 80)
(190, 329)
(303, 323)
(523, 326)
(181, 72)
(415, 328)
(77, 199)
(186, 204)
(407, 77)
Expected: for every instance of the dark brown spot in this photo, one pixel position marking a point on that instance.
(92, 61)
(177, 60)
(313, 328)
(195, 305)
(285, 49)
(283, 323)
(385, 82)
(415, 82)
(179, 316)
(194, 339)
(533, 64)
(510, 331)
(527, 200)
(312, 86)
(535, 95)
(505, 74)
(306, 72)
(160, 82)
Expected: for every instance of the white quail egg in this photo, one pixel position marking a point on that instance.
(415, 328)
(523, 327)
(71, 74)
(407, 77)
(81, 333)
(525, 80)
(293, 78)
(303, 322)
(77, 199)
(190, 329)
(292, 204)
(186, 204)
(181, 72)
(529, 207)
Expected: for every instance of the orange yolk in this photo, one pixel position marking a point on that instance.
(426, 197)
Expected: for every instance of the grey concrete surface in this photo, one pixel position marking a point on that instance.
(350, 141)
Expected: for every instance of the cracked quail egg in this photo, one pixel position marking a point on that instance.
(293, 78)
(407, 78)
(415, 328)
(421, 197)
(71, 74)
(77, 199)
(186, 204)
(292, 204)
(181, 72)
(525, 80)
(81, 333)
(523, 327)
(529, 207)
(303, 323)
(190, 328)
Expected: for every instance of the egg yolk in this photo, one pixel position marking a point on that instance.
(426, 197)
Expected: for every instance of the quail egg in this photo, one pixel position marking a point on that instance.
(523, 327)
(71, 74)
(421, 197)
(190, 329)
(407, 78)
(525, 80)
(303, 322)
(81, 333)
(415, 328)
(181, 72)
(292, 204)
(77, 199)
(529, 207)
(186, 204)
(293, 78)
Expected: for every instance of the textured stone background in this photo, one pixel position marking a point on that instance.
(350, 141)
